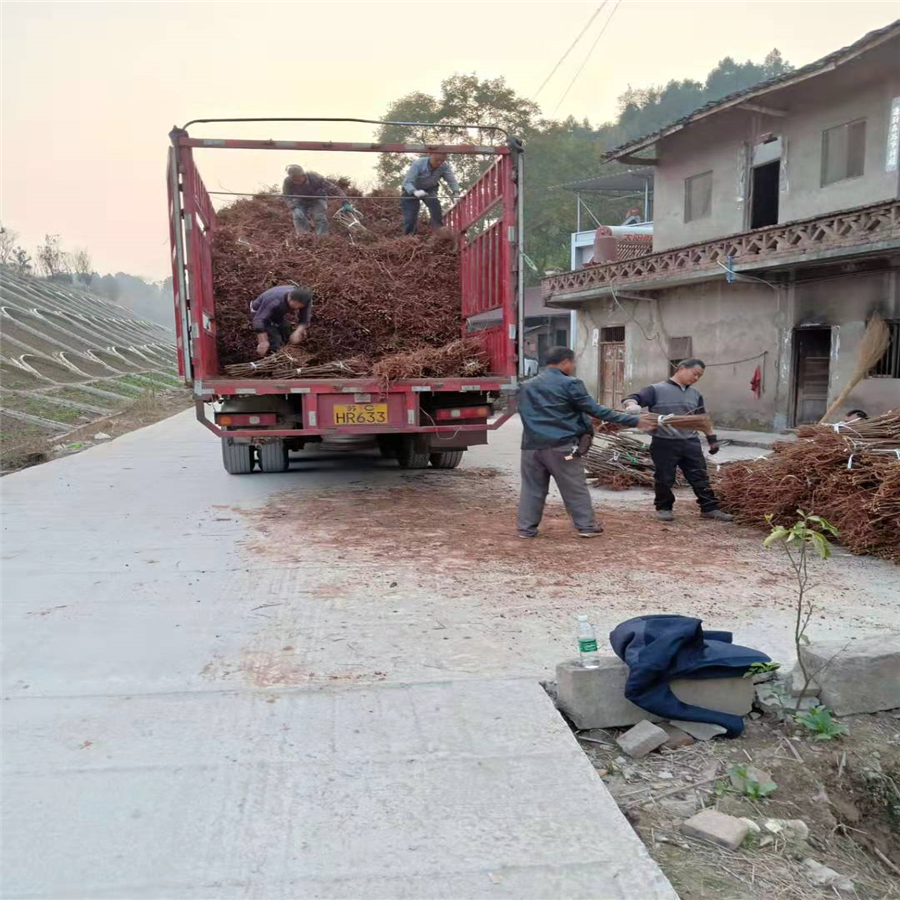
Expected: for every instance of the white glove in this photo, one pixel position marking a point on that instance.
(420, 194)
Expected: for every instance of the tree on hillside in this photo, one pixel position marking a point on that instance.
(645, 110)
(81, 266)
(52, 260)
(9, 240)
(465, 99)
(12, 254)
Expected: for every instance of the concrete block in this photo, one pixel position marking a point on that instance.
(644, 738)
(794, 685)
(677, 738)
(769, 700)
(717, 828)
(701, 731)
(595, 698)
(861, 676)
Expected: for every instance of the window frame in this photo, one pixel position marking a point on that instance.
(688, 193)
(863, 120)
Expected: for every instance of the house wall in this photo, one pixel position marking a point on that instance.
(724, 144)
(731, 323)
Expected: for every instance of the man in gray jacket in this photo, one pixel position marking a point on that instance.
(554, 408)
(421, 186)
(675, 448)
(307, 193)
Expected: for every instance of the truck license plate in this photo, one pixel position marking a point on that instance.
(361, 414)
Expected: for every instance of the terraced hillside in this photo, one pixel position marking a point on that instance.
(69, 358)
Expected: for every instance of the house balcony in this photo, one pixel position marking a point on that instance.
(850, 233)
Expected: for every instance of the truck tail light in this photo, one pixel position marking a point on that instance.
(239, 419)
(464, 412)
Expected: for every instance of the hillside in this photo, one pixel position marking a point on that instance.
(69, 358)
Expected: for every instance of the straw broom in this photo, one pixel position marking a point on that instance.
(871, 349)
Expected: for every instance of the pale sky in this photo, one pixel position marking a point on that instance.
(91, 90)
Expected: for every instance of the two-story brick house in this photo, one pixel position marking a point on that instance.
(776, 237)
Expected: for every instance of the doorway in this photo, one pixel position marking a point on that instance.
(812, 368)
(612, 366)
(764, 195)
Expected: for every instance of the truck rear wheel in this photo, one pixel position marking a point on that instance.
(273, 457)
(237, 458)
(412, 452)
(446, 459)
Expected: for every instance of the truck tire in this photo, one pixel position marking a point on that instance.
(388, 446)
(446, 459)
(412, 452)
(273, 457)
(237, 458)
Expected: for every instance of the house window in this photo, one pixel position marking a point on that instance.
(698, 197)
(614, 335)
(679, 348)
(562, 337)
(889, 364)
(843, 152)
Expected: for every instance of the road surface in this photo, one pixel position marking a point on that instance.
(319, 684)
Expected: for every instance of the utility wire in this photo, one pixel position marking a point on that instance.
(562, 59)
(589, 54)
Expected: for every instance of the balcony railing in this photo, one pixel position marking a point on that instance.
(852, 230)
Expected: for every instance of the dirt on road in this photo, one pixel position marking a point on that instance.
(451, 535)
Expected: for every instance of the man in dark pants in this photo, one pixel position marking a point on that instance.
(421, 185)
(675, 448)
(269, 311)
(554, 408)
(306, 194)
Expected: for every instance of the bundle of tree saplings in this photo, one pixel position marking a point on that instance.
(620, 461)
(848, 473)
(386, 296)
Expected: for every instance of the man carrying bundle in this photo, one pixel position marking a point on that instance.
(306, 194)
(421, 186)
(269, 311)
(678, 448)
(554, 408)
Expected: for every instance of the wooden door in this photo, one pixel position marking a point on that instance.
(812, 363)
(612, 373)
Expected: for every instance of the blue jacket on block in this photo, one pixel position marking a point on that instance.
(659, 649)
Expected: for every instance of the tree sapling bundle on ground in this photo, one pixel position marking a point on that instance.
(848, 473)
(378, 295)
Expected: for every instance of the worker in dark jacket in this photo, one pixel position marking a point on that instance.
(421, 186)
(270, 310)
(554, 408)
(307, 193)
(676, 448)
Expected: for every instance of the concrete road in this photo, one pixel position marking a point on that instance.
(319, 684)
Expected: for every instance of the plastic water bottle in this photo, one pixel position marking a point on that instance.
(587, 644)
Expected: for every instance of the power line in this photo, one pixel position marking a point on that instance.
(590, 52)
(562, 59)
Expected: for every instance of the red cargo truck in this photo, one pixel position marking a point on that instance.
(418, 421)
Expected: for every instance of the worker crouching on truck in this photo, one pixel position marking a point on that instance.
(554, 408)
(307, 193)
(676, 448)
(421, 186)
(270, 310)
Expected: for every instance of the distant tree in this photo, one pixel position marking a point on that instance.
(730, 76)
(9, 242)
(21, 261)
(52, 260)
(464, 99)
(109, 287)
(81, 266)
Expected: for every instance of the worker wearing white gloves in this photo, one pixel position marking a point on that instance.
(421, 186)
